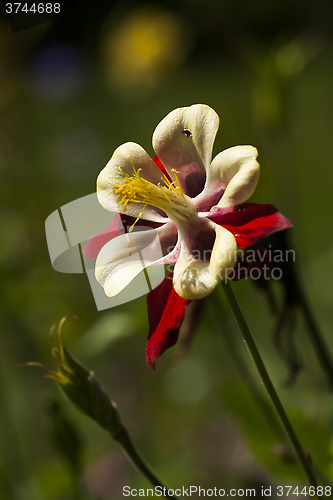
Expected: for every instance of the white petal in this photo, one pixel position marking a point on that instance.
(189, 155)
(194, 279)
(122, 258)
(234, 173)
(127, 156)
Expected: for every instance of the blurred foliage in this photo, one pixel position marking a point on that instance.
(276, 455)
(73, 90)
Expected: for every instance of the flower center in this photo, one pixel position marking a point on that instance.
(166, 195)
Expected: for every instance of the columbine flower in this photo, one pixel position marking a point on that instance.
(195, 209)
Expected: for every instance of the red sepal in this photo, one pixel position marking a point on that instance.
(166, 312)
(250, 222)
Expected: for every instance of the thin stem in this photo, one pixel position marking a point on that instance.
(249, 340)
(123, 438)
(246, 375)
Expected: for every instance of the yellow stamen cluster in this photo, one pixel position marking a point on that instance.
(168, 197)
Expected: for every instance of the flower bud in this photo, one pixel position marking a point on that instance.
(81, 387)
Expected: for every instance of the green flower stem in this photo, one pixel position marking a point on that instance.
(249, 340)
(246, 375)
(123, 438)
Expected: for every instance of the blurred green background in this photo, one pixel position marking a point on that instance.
(73, 90)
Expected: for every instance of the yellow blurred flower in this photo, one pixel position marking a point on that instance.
(145, 45)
